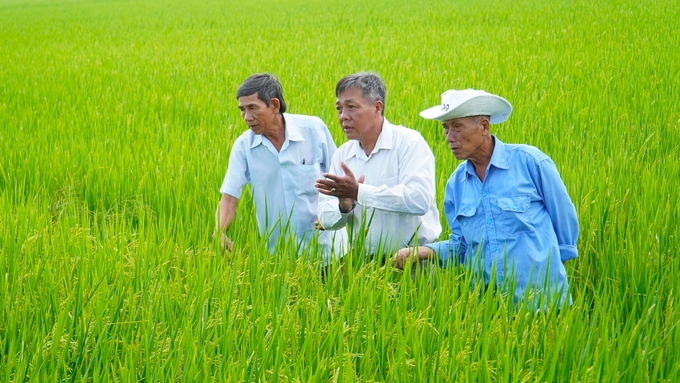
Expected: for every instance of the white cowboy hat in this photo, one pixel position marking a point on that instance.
(469, 102)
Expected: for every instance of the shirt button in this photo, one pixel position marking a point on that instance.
(483, 194)
(488, 221)
(514, 207)
(493, 249)
(464, 223)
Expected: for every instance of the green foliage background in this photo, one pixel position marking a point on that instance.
(116, 120)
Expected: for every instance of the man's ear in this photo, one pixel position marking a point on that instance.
(378, 105)
(276, 104)
(485, 125)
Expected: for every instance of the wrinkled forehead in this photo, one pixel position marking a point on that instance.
(459, 120)
(354, 94)
(251, 99)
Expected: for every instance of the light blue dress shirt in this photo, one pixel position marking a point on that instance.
(282, 183)
(519, 225)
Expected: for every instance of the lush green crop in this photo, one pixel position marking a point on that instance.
(116, 121)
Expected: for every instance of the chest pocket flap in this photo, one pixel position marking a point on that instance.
(465, 218)
(517, 204)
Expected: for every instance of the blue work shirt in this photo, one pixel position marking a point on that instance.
(282, 183)
(520, 221)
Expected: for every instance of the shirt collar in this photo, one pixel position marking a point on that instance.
(384, 141)
(498, 158)
(291, 130)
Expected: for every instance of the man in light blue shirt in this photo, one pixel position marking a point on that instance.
(510, 216)
(280, 156)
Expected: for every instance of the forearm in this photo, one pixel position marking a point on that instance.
(425, 253)
(412, 255)
(413, 192)
(225, 212)
(412, 199)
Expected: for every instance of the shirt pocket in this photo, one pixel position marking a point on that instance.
(466, 220)
(514, 214)
(307, 176)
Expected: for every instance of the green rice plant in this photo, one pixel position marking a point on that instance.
(116, 121)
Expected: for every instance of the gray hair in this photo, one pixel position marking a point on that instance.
(266, 85)
(475, 119)
(371, 85)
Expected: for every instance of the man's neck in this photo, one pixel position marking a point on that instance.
(277, 135)
(480, 162)
(369, 142)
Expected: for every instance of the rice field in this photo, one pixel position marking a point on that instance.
(116, 122)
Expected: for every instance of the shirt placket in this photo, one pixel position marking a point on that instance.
(288, 173)
(285, 173)
(491, 247)
(373, 234)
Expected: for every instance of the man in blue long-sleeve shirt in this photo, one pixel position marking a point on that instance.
(510, 215)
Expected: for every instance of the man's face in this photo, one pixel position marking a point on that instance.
(257, 114)
(356, 115)
(465, 135)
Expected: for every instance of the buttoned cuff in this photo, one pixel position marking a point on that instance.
(333, 219)
(442, 250)
(568, 252)
(330, 219)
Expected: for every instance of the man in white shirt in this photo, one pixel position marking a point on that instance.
(381, 182)
(280, 156)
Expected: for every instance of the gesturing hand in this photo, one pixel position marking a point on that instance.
(345, 188)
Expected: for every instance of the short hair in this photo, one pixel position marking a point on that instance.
(371, 85)
(475, 119)
(266, 85)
